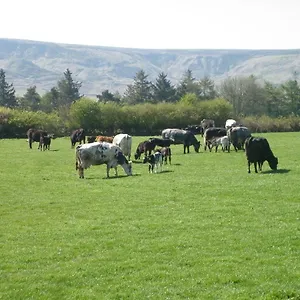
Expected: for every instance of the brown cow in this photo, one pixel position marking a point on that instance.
(103, 138)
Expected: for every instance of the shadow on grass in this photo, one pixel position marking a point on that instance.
(111, 177)
(279, 171)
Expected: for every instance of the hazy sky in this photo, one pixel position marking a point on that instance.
(156, 24)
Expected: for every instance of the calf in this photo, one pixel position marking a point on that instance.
(45, 142)
(220, 141)
(155, 162)
(166, 153)
(145, 147)
(212, 133)
(258, 151)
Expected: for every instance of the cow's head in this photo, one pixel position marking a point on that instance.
(197, 146)
(273, 163)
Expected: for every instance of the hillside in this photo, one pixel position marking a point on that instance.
(28, 63)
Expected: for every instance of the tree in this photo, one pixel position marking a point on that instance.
(68, 89)
(207, 89)
(140, 90)
(107, 96)
(7, 92)
(163, 90)
(291, 94)
(245, 94)
(187, 85)
(274, 100)
(31, 99)
(50, 100)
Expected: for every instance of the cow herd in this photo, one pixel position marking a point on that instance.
(114, 151)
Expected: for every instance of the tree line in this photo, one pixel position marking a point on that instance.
(247, 95)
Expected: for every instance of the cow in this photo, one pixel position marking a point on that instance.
(99, 153)
(155, 162)
(180, 136)
(91, 139)
(258, 151)
(45, 142)
(34, 135)
(220, 141)
(77, 136)
(206, 123)
(194, 129)
(237, 136)
(103, 138)
(166, 153)
(230, 123)
(145, 147)
(124, 141)
(160, 142)
(212, 133)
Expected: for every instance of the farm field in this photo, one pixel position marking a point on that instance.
(202, 229)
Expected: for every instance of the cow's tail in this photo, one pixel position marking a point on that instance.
(77, 158)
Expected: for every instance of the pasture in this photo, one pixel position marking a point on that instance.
(202, 229)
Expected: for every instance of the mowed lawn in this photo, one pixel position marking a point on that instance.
(202, 229)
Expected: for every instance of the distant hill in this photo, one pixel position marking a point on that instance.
(28, 63)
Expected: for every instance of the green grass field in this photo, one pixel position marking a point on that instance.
(202, 229)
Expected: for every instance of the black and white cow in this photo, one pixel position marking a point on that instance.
(155, 162)
(99, 153)
(258, 151)
(180, 136)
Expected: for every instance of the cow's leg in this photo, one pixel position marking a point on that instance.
(249, 166)
(184, 148)
(169, 159)
(116, 171)
(80, 172)
(255, 167)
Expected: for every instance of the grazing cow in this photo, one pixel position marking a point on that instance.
(212, 133)
(91, 139)
(124, 141)
(230, 123)
(220, 141)
(237, 136)
(45, 142)
(180, 136)
(99, 153)
(155, 162)
(206, 123)
(166, 153)
(77, 136)
(145, 147)
(103, 138)
(258, 151)
(160, 142)
(34, 135)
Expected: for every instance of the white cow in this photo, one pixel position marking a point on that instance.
(124, 141)
(230, 123)
(99, 153)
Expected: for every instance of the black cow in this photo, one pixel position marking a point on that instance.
(77, 136)
(145, 147)
(210, 134)
(237, 136)
(160, 142)
(194, 129)
(257, 151)
(180, 136)
(34, 135)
